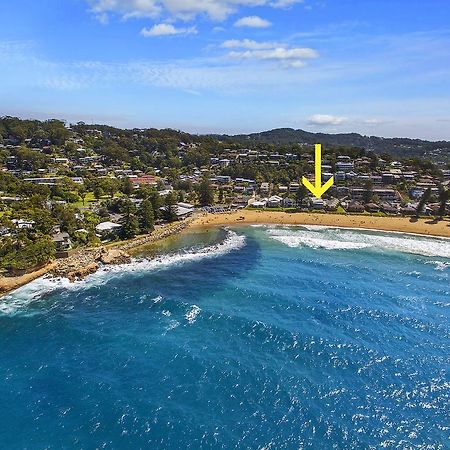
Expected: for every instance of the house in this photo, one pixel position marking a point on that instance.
(408, 210)
(385, 195)
(326, 176)
(24, 224)
(344, 166)
(62, 241)
(332, 204)
(5, 231)
(107, 229)
(389, 209)
(186, 205)
(339, 176)
(182, 210)
(48, 181)
(387, 178)
(264, 188)
(355, 207)
(148, 180)
(377, 179)
(317, 203)
(274, 201)
(289, 202)
(223, 179)
(63, 161)
(372, 207)
(259, 204)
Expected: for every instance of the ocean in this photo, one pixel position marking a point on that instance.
(263, 337)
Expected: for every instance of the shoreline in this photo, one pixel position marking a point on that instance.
(84, 262)
(87, 261)
(423, 227)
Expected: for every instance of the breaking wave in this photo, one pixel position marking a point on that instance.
(34, 291)
(191, 315)
(319, 237)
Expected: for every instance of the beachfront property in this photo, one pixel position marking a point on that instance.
(99, 182)
(182, 210)
(108, 230)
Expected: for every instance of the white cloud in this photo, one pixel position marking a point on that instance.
(126, 8)
(326, 120)
(284, 4)
(252, 22)
(182, 9)
(103, 18)
(373, 122)
(266, 51)
(166, 29)
(249, 44)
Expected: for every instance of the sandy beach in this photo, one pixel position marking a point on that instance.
(83, 263)
(400, 224)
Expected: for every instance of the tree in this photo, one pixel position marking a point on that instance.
(82, 192)
(170, 208)
(109, 185)
(130, 226)
(25, 254)
(368, 191)
(205, 192)
(423, 201)
(68, 220)
(220, 198)
(146, 216)
(43, 220)
(155, 200)
(98, 192)
(301, 193)
(127, 187)
(444, 196)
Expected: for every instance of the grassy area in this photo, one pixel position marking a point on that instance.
(88, 199)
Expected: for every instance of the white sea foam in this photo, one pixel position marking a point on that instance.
(345, 239)
(313, 242)
(191, 315)
(316, 227)
(440, 265)
(26, 295)
(30, 293)
(232, 242)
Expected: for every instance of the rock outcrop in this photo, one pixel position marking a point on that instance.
(115, 256)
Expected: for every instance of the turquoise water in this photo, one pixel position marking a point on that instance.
(258, 338)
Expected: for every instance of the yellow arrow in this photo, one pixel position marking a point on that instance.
(318, 190)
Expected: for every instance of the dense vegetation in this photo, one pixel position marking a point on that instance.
(399, 147)
(179, 161)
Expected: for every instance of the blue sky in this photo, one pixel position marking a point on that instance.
(378, 67)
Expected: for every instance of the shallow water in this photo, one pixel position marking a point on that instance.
(259, 337)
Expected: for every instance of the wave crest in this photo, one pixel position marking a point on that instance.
(26, 295)
(344, 239)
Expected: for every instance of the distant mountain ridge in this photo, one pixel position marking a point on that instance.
(404, 147)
